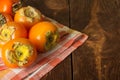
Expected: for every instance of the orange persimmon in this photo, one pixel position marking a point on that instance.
(44, 35)
(19, 53)
(28, 16)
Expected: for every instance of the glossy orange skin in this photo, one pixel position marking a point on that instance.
(20, 31)
(6, 6)
(9, 45)
(24, 19)
(37, 34)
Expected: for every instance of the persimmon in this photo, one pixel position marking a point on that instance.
(28, 16)
(44, 35)
(19, 53)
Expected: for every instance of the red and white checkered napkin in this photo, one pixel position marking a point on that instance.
(69, 41)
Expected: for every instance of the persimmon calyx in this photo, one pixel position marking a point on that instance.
(51, 40)
(32, 13)
(6, 32)
(19, 54)
(2, 19)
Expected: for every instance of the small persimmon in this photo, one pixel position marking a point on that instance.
(44, 35)
(19, 53)
(28, 16)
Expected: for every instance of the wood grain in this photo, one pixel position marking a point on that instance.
(80, 13)
(99, 57)
(84, 61)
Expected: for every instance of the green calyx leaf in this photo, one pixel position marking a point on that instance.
(51, 40)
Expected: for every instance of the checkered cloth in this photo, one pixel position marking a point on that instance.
(69, 41)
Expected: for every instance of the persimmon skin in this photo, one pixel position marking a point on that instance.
(9, 46)
(37, 34)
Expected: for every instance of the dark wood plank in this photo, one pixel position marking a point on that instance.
(57, 10)
(98, 58)
(109, 12)
(84, 67)
(80, 13)
(61, 71)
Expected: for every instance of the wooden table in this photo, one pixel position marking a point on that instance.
(99, 57)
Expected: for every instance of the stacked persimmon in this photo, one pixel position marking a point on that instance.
(23, 33)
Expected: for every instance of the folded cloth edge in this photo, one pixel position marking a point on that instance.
(39, 74)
